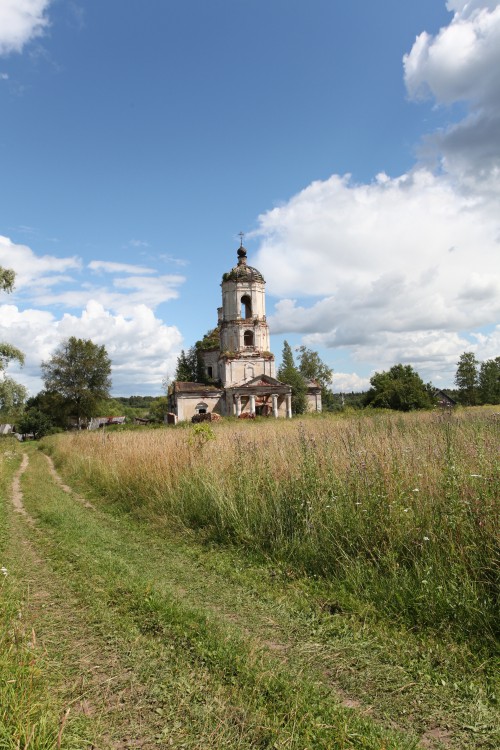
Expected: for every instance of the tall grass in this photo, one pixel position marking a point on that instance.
(399, 512)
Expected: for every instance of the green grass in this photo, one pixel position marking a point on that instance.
(27, 716)
(214, 685)
(399, 512)
(215, 647)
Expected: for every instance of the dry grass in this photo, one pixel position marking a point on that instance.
(400, 510)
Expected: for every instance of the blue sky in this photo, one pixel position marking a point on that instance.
(357, 144)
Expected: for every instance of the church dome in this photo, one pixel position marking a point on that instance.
(242, 272)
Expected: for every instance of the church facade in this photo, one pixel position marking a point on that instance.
(242, 365)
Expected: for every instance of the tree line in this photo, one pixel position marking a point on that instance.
(478, 382)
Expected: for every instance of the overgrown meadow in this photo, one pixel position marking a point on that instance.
(398, 513)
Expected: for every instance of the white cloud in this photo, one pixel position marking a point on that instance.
(405, 268)
(33, 270)
(141, 347)
(347, 382)
(20, 22)
(461, 63)
(110, 267)
(44, 281)
(118, 314)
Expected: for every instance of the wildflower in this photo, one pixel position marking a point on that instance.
(416, 490)
(4, 571)
(405, 510)
(426, 539)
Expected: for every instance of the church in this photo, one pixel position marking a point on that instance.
(241, 365)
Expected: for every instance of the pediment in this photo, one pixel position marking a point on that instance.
(261, 385)
(261, 380)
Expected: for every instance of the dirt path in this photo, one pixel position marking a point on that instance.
(53, 472)
(17, 495)
(89, 682)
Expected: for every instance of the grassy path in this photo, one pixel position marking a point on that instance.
(139, 637)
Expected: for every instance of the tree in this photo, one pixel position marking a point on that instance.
(34, 422)
(187, 366)
(399, 388)
(7, 278)
(53, 405)
(489, 381)
(190, 364)
(158, 409)
(289, 374)
(467, 379)
(12, 394)
(311, 367)
(79, 371)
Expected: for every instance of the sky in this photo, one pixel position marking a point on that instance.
(356, 144)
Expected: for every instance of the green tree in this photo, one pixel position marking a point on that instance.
(399, 388)
(80, 372)
(289, 374)
(12, 394)
(53, 405)
(489, 381)
(187, 369)
(190, 364)
(158, 409)
(312, 367)
(34, 422)
(467, 379)
(7, 278)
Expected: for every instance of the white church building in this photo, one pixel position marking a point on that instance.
(242, 365)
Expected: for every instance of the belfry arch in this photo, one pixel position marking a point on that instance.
(248, 338)
(246, 306)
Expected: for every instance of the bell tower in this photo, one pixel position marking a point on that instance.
(244, 333)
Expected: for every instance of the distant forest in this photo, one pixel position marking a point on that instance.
(136, 402)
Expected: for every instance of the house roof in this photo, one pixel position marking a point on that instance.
(181, 386)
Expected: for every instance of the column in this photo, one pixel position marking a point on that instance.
(238, 405)
(252, 404)
(275, 405)
(288, 399)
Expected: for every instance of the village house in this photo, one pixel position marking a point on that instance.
(240, 365)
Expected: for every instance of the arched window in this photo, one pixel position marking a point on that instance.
(248, 338)
(246, 307)
(210, 371)
(201, 408)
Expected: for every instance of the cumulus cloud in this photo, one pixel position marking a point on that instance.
(460, 64)
(141, 347)
(405, 268)
(20, 22)
(118, 313)
(33, 271)
(347, 382)
(47, 280)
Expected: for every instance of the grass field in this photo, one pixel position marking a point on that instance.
(321, 583)
(399, 512)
